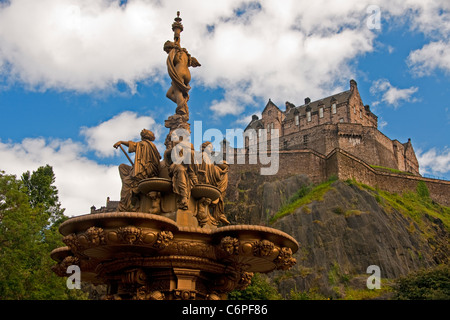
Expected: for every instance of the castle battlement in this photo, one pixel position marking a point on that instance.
(339, 121)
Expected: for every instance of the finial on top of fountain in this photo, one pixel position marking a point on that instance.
(177, 28)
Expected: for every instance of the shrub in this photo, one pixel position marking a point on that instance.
(428, 284)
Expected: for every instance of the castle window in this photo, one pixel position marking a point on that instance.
(305, 139)
(333, 108)
(269, 113)
(297, 121)
(308, 115)
(360, 114)
(321, 113)
(341, 120)
(354, 109)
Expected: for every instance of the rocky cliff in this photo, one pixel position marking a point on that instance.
(343, 228)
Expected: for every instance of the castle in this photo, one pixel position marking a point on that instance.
(339, 121)
(336, 136)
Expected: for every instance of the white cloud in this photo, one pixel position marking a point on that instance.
(81, 182)
(433, 161)
(392, 95)
(79, 45)
(284, 52)
(382, 123)
(432, 18)
(434, 55)
(125, 126)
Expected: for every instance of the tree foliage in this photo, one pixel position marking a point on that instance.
(427, 284)
(260, 288)
(30, 214)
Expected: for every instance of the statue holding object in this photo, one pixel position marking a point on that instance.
(146, 165)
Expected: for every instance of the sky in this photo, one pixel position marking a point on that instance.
(76, 76)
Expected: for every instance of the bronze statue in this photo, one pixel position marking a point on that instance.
(181, 159)
(216, 175)
(178, 62)
(146, 165)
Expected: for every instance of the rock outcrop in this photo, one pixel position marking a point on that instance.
(340, 235)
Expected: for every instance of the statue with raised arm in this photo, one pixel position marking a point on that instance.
(178, 62)
(146, 165)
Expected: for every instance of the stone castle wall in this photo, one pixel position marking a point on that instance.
(344, 166)
(368, 143)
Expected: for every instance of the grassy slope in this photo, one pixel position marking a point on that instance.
(412, 204)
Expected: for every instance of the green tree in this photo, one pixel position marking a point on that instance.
(426, 284)
(260, 289)
(30, 214)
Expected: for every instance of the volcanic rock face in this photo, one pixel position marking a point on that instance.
(341, 234)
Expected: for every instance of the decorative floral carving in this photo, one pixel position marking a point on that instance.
(61, 268)
(230, 245)
(285, 261)
(263, 248)
(93, 236)
(72, 242)
(163, 239)
(197, 249)
(129, 235)
(245, 281)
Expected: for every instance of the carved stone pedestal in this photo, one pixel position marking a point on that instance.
(146, 256)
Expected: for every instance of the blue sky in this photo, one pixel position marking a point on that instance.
(76, 75)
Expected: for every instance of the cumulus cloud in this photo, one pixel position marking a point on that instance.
(432, 56)
(287, 52)
(432, 18)
(124, 126)
(435, 162)
(81, 182)
(79, 45)
(392, 95)
(250, 49)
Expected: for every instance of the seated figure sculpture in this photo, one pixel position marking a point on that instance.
(215, 175)
(146, 165)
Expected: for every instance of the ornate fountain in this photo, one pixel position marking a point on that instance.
(170, 238)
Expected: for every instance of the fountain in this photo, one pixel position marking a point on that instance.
(170, 238)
